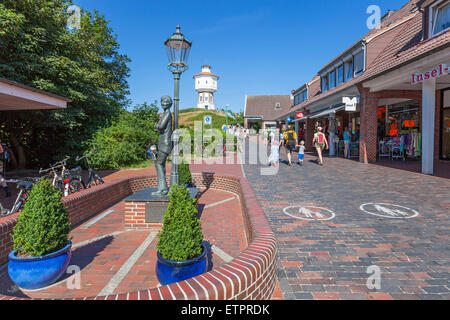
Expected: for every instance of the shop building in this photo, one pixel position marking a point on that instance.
(390, 89)
(261, 112)
(405, 99)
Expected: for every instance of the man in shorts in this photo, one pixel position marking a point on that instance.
(290, 142)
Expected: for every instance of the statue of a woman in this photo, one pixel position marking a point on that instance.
(164, 127)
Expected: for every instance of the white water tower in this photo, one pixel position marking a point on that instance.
(206, 85)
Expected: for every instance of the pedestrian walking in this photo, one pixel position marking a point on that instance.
(347, 140)
(301, 152)
(274, 157)
(290, 142)
(320, 142)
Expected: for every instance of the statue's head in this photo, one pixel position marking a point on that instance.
(166, 102)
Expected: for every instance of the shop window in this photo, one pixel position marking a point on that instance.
(348, 70)
(324, 83)
(440, 15)
(340, 75)
(400, 127)
(359, 63)
(301, 97)
(332, 78)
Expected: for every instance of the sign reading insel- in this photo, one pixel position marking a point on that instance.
(437, 72)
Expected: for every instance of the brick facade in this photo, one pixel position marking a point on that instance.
(309, 134)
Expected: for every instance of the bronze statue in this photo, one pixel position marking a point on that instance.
(165, 146)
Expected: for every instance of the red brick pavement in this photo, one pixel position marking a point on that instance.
(101, 259)
(330, 259)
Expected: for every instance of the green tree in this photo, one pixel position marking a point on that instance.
(124, 142)
(38, 49)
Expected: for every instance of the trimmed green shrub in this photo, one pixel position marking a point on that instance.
(181, 235)
(43, 226)
(185, 174)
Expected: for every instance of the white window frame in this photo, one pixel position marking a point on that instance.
(432, 18)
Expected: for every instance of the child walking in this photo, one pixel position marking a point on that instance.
(274, 157)
(301, 152)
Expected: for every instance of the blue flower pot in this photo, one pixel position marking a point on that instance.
(32, 273)
(169, 271)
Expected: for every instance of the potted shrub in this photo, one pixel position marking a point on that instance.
(181, 252)
(185, 174)
(42, 250)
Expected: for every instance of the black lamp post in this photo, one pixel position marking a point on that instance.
(178, 48)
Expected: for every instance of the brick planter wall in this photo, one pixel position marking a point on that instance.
(250, 276)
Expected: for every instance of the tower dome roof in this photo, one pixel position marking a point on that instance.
(206, 71)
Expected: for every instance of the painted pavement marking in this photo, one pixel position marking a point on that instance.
(220, 202)
(309, 213)
(98, 218)
(222, 254)
(389, 210)
(86, 242)
(123, 271)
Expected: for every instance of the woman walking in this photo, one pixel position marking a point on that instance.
(347, 139)
(320, 141)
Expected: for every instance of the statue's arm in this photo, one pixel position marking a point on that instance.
(163, 122)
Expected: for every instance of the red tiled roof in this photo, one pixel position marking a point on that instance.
(264, 106)
(206, 74)
(399, 42)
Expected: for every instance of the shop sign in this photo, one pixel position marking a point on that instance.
(290, 119)
(437, 72)
(350, 103)
(300, 115)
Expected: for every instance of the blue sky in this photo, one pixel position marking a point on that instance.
(257, 47)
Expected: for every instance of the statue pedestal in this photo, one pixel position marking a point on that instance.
(144, 211)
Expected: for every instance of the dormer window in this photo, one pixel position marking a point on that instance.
(440, 17)
(277, 105)
(301, 96)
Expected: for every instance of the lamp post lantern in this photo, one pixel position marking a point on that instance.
(226, 113)
(178, 48)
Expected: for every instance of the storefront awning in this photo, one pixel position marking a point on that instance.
(327, 112)
(16, 96)
(301, 119)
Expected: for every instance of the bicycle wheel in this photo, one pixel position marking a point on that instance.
(17, 207)
(75, 185)
(98, 180)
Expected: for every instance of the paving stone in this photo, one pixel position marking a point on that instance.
(340, 250)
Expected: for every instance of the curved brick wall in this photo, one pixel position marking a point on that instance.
(251, 275)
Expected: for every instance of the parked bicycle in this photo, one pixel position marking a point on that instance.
(25, 188)
(94, 179)
(65, 180)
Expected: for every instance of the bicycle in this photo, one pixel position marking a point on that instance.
(94, 179)
(24, 193)
(68, 181)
